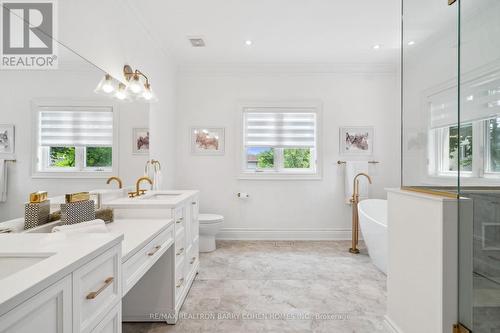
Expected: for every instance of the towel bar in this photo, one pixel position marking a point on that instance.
(371, 162)
(13, 161)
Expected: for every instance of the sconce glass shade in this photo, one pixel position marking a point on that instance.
(106, 86)
(134, 86)
(148, 95)
(121, 93)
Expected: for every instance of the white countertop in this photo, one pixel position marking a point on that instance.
(137, 233)
(164, 199)
(65, 254)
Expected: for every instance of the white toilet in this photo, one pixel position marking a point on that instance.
(210, 225)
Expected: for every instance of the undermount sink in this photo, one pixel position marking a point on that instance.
(13, 263)
(159, 196)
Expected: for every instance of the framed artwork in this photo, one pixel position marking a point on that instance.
(207, 140)
(7, 138)
(356, 140)
(140, 141)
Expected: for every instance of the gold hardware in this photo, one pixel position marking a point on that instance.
(181, 250)
(179, 220)
(371, 162)
(106, 284)
(77, 197)
(138, 183)
(129, 73)
(431, 192)
(180, 283)
(120, 183)
(38, 197)
(156, 248)
(451, 2)
(12, 161)
(355, 218)
(132, 194)
(155, 163)
(193, 259)
(459, 328)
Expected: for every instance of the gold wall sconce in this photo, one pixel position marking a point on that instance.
(136, 86)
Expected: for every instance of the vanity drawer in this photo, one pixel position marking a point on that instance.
(112, 322)
(180, 282)
(135, 267)
(96, 289)
(180, 254)
(192, 259)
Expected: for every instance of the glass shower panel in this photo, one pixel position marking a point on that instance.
(479, 295)
(431, 146)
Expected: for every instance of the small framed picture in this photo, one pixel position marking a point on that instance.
(356, 140)
(207, 140)
(140, 141)
(7, 139)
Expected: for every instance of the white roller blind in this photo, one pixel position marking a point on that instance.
(280, 128)
(480, 101)
(76, 126)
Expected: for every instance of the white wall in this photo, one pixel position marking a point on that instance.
(111, 34)
(20, 88)
(351, 96)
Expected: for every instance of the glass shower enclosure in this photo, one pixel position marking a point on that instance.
(451, 134)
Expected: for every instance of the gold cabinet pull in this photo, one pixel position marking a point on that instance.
(193, 259)
(193, 203)
(155, 249)
(180, 283)
(180, 220)
(107, 283)
(180, 251)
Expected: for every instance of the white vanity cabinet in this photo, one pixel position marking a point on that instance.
(85, 300)
(48, 311)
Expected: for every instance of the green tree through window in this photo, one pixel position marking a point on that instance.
(297, 158)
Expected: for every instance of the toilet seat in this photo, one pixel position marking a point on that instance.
(210, 218)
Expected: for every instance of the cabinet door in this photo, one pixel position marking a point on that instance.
(112, 322)
(195, 208)
(49, 311)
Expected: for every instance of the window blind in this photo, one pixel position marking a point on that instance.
(75, 127)
(280, 129)
(480, 101)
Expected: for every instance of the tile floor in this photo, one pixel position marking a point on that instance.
(268, 280)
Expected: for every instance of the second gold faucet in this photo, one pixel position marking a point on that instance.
(138, 190)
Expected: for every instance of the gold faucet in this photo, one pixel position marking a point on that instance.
(120, 183)
(138, 191)
(355, 217)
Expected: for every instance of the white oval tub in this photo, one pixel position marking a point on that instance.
(373, 223)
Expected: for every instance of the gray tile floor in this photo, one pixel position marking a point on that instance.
(318, 287)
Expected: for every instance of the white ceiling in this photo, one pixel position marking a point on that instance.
(282, 31)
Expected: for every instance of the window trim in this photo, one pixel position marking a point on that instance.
(83, 172)
(480, 154)
(274, 174)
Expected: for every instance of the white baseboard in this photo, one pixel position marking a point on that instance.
(284, 234)
(393, 328)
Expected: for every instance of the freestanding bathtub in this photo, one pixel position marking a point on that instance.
(373, 223)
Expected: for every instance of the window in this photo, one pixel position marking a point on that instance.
(75, 141)
(279, 142)
(474, 148)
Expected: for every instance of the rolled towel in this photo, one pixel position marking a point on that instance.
(94, 226)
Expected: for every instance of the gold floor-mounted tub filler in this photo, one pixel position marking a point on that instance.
(355, 217)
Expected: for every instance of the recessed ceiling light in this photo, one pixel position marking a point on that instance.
(412, 42)
(248, 42)
(376, 47)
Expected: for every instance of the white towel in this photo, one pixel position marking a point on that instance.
(154, 172)
(352, 168)
(95, 226)
(3, 180)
